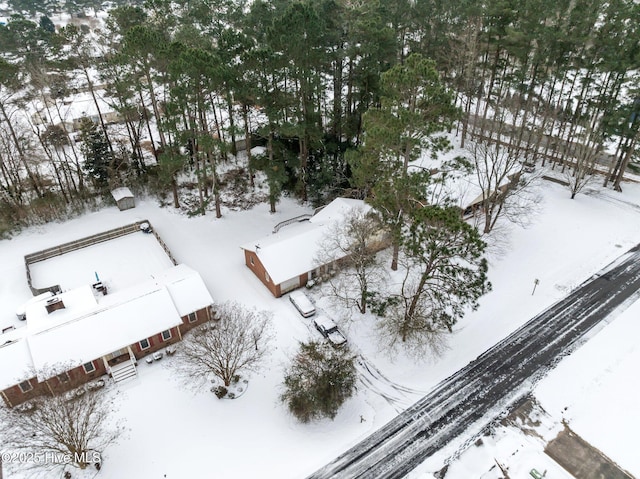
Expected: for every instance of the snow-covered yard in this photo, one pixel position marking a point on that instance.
(177, 433)
(119, 263)
(593, 391)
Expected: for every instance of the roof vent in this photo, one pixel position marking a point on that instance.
(100, 287)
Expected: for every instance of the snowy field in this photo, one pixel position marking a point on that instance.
(177, 433)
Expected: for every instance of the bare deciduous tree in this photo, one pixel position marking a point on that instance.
(237, 342)
(65, 430)
(582, 173)
(505, 191)
(353, 243)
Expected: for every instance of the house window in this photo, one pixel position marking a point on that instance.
(63, 377)
(89, 367)
(192, 317)
(144, 344)
(166, 335)
(266, 277)
(251, 261)
(25, 386)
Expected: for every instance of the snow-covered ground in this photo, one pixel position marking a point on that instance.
(177, 433)
(118, 263)
(595, 390)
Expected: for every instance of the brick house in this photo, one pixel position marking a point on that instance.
(287, 259)
(82, 334)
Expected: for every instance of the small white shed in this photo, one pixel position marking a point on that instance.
(124, 198)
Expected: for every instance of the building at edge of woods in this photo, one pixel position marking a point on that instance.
(288, 258)
(82, 334)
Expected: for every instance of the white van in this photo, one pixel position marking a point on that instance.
(302, 303)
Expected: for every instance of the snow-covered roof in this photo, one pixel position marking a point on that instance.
(20, 312)
(186, 288)
(483, 195)
(91, 325)
(122, 192)
(292, 250)
(77, 302)
(104, 331)
(80, 105)
(258, 150)
(16, 362)
(337, 210)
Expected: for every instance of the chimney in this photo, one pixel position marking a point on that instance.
(54, 304)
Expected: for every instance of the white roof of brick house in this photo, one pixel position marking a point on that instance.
(101, 332)
(186, 288)
(15, 359)
(77, 302)
(292, 251)
(92, 325)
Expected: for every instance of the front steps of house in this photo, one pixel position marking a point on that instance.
(123, 371)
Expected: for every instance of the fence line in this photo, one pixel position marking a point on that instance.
(296, 219)
(83, 243)
(164, 246)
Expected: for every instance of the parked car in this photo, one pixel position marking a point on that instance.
(302, 303)
(329, 330)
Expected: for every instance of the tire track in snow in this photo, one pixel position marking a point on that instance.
(397, 395)
(472, 396)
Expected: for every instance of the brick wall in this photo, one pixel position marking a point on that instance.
(76, 377)
(202, 316)
(156, 342)
(255, 265)
(14, 395)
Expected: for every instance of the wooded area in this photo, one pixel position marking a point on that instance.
(185, 81)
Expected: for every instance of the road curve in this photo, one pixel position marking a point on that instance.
(470, 394)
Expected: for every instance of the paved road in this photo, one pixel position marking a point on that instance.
(503, 373)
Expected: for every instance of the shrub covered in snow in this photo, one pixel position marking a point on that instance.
(319, 380)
